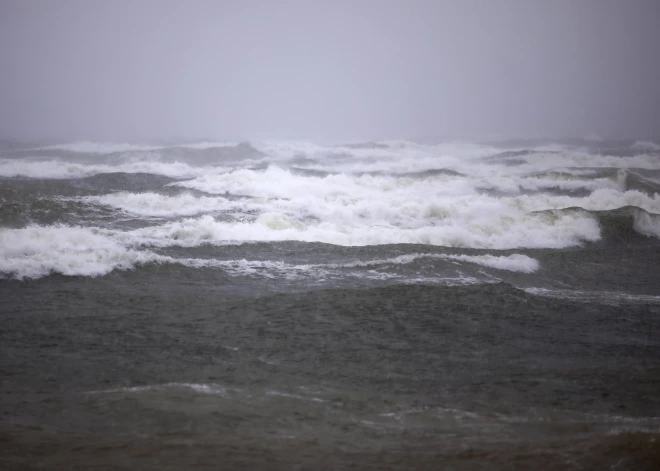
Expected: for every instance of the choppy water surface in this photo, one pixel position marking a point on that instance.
(389, 305)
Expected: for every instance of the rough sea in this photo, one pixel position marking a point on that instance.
(287, 305)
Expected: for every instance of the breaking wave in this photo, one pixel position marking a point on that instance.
(73, 200)
(37, 251)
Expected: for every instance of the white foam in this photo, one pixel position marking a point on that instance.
(88, 147)
(646, 145)
(600, 200)
(276, 182)
(383, 156)
(547, 161)
(604, 297)
(514, 262)
(157, 205)
(47, 169)
(356, 209)
(407, 202)
(491, 231)
(564, 181)
(275, 393)
(647, 224)
(37, 251)
(209, 145)
(212, 389)
(367, 210)
(58, 169)
(259, 268)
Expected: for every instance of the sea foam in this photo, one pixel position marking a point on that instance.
(151, 204)
(457, 195)
(37, 251)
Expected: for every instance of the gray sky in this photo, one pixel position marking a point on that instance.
(328, 70)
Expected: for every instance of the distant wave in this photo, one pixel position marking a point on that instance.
(620, 223)
(61, 169)
(646, 145)
(90, 147)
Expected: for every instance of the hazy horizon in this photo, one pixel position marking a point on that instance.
(332, 72)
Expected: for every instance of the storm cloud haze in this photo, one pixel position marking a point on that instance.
(328, 70)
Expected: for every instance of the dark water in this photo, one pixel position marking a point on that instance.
(144, 334)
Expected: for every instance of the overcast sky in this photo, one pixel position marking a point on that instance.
(328, 70)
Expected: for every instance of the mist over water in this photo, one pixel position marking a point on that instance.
(311, 235)
(328, 71)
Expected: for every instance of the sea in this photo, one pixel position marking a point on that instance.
(286, 305)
